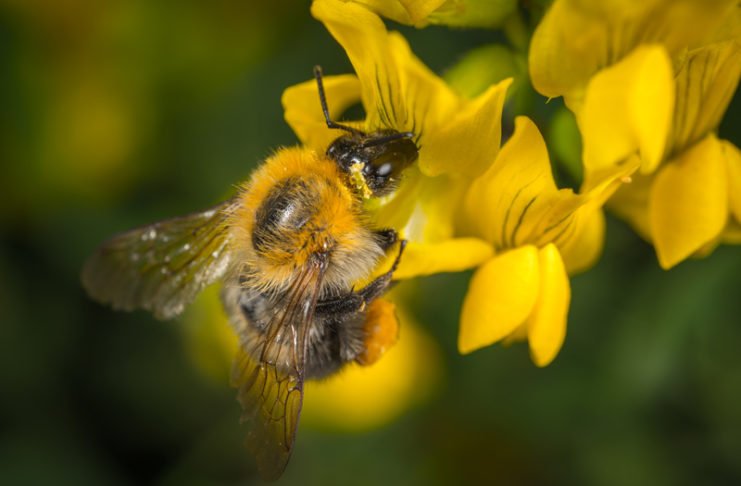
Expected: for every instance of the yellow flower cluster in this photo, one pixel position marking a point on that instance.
(468, 203)
(652, 79)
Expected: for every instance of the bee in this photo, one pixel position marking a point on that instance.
(290, 248)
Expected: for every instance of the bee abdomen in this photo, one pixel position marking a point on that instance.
(333, 338)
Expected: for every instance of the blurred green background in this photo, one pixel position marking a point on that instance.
(119, 113)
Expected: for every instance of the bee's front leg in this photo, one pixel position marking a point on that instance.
(357, 300)
(386, 238)
(367, 325)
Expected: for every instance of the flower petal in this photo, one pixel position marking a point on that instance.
(630, 203)
(547, 323)
(566, 219)
(453, 255)
(561, 62)
(576, 38)
(363, 36)
(303, 111)
(629, 107)
(398, 90)
(500, 297)
(469, 142)
(458, 13)
(705, 85)
(502, 205)
(426, 100)
(688, 204)
(473, 13)
(423, 209)
(410, 12)
(733, 159)
(582, 251)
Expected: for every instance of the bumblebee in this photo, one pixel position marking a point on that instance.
(290, 248)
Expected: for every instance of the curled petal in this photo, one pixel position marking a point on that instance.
(453, 255)
(688, 205)
(303, 111)
(628, 107)
(547, 323)
(500, 297)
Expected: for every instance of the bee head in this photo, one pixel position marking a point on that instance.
(378, 158)
(372, 161)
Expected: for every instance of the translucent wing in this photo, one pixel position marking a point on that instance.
(163, 266)
(269, 375)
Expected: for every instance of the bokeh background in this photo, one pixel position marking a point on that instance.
(118, 113)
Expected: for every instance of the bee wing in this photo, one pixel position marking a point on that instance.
(270, 380)
(163, 266)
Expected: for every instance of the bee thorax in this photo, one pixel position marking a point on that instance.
(310, 220)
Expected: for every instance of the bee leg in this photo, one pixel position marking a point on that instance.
(386, 238)
(381, 283)
(379, 328)
(367, 324)
(356, 301)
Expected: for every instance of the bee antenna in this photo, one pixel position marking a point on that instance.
(323, 100)
(386, 138)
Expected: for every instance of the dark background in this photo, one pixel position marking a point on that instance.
(114, 114)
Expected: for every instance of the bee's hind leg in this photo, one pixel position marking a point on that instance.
(380, 331)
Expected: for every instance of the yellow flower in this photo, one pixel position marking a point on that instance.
(577, 38)
(398, 91)
(466, 204)
(541, 234)
(458, 13)
(654, 79)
